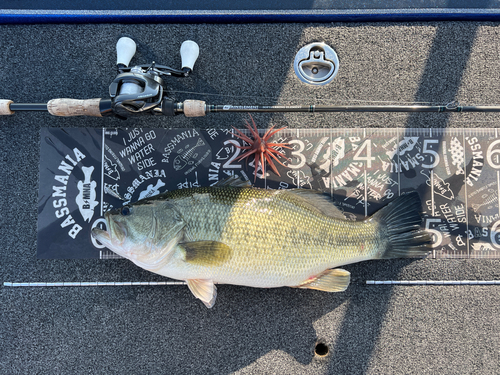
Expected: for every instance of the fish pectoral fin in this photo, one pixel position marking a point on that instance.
(204, 290)
(206, 253)
(335, 280)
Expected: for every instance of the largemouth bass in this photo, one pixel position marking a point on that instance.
(236, 234)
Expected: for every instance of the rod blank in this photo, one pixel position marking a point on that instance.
(351, 108)
(28, 107)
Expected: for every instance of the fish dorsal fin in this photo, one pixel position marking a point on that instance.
(206, 253)
(234, 181)
(319, 201)
(336, 280)
(204, 290)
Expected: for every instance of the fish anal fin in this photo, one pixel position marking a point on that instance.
(206, 253)
(204, 290)
(334, 280)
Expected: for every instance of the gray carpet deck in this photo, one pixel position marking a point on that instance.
(165, 330)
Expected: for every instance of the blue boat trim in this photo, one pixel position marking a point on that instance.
(14, 16)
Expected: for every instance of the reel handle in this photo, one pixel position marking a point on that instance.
(125, 50)
(189, 54)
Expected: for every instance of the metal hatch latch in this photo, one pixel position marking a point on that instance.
(316, 64)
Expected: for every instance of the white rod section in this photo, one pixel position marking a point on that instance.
(434, 282)
(95, 283)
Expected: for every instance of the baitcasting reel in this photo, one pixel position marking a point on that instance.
(140, 89)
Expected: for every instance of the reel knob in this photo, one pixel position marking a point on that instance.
(189, 53)
(125, 50)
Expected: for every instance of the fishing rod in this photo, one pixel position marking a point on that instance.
(141, 90)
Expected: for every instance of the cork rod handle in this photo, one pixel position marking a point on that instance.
(5, 107)
(74, 107)
(194, 108)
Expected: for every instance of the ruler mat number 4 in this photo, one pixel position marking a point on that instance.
(84, 172)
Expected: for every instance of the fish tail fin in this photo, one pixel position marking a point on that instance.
(400, 225)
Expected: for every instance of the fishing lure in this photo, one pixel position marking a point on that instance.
(261, 147)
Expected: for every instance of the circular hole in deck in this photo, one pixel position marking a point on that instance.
(321, 349)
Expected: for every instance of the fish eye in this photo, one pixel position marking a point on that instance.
(126, 210)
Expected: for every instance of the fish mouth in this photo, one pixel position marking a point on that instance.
(113, 237)
(102, 236)
(117, 230)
